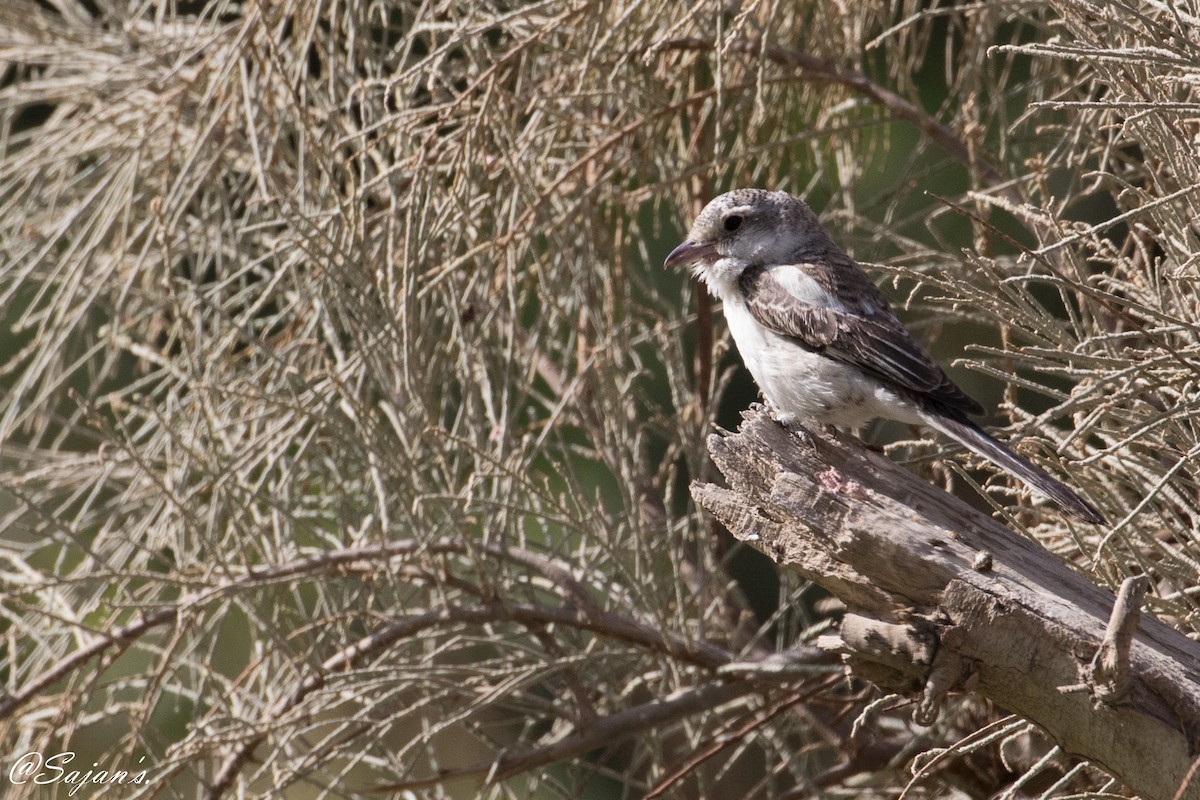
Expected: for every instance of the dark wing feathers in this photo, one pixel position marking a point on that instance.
(874, 341)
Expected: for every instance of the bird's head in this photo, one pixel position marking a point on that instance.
(743, 228)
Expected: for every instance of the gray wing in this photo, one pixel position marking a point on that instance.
(866, 335)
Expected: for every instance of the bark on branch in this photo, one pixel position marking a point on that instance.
(943, 598)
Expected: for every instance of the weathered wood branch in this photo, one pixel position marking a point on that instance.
(943, 598)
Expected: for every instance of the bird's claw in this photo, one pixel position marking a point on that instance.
(791, 423)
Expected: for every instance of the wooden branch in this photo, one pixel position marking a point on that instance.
(941, 597)
(1110, 676)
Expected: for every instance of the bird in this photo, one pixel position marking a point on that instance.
(819, 337)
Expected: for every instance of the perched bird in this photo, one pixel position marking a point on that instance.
(819, 337)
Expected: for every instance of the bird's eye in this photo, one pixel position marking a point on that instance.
(733, 222)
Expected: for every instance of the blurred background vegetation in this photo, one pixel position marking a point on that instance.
(348, 416)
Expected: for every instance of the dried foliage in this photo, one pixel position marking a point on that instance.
(348, 418)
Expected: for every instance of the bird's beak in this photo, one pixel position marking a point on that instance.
(690, 252)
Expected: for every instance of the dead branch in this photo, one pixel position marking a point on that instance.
(930, 612)
(824, 70)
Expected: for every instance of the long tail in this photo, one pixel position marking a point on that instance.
(977, 441)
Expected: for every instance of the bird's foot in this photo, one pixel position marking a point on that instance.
(791, 422)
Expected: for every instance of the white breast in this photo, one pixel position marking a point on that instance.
(805, 385)
(800, 384)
